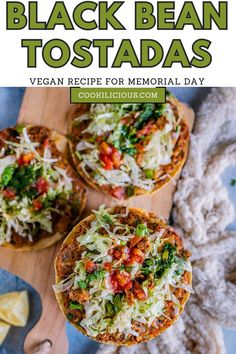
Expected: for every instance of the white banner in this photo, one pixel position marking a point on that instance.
(13, 58)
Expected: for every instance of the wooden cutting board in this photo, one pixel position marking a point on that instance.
(51, 107)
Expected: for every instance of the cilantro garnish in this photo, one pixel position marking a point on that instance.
(98, 274)
(141, 230)
(82, 284)
(158, 266)
(76, 306)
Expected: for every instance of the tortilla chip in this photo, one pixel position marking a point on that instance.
(4, 329)
(14, 308)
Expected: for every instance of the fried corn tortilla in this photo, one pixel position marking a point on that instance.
(40, 193)
(4, 329)
(122, 276)
(129, 149)
(14, 308)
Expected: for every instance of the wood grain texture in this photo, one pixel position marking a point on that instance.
(50, 107)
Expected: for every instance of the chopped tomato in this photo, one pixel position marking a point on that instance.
(108, 266)
(128, 285)
(121, 252)
(136, 256)
(139, 292)
(118, 192)
(90, 266)
(144, 244)
(116, 157)
(42, 185)
(139, 159)
(115, 286)
(136, 259)
(105, 148)
(124, 121)
(140, 147)
(121, 281)
(134, 241)
(117, 254)
(46, 143)
(37, 205)
(137, 252)
(9, 193)
(130, 261)
(99, 138)
(25, 159)
(107, 161)
(110, 156)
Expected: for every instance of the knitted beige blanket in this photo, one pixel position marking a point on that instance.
(202, 210)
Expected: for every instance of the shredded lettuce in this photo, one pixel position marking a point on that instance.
(17, 213)
(106, 120)
(107, 311)
(5, 162)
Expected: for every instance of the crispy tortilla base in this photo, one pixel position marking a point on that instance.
(175, 168)
(61, 143)
(60, 297)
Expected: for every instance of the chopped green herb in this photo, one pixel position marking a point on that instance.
(128, 268)
(122, 267)
(78, 155)
(141, 230)
(76, 306)
(129, 191)
(98, 274)
(82, 284)
(149, 266)
(167, 259)
(107, 219)
(149, 173)
(69, 316)
(22, 178)
(19, 128)
(127, 140)
(110, 308)
(7, 175)
(144, 117)
(53, 174)
(117, 302)
(161, 264)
